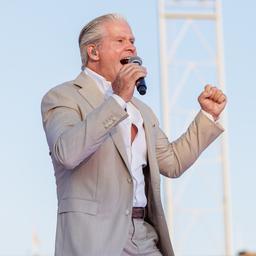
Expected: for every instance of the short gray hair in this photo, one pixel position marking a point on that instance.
(92, 33)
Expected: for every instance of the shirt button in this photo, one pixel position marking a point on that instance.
(127, 212)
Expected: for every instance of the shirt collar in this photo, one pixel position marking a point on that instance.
(104, 85)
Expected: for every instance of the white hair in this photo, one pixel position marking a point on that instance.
(92, 33)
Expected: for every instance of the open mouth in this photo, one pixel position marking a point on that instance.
(131, 59)
(125, 60)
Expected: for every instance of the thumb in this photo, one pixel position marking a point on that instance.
(204, 95)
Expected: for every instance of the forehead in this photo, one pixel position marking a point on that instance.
(118, 28)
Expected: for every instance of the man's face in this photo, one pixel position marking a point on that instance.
(117, 43)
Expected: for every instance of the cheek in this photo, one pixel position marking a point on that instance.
(116, 49)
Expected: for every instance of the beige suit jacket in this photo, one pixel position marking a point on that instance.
(95, 191)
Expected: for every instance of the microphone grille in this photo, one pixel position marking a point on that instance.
(135, 59)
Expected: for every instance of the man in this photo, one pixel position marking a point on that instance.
(108, 150)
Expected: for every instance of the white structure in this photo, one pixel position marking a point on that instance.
(35, 244)
(197, 206)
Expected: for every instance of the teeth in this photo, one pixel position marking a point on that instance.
(125, 60)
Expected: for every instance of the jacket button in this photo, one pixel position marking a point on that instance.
(129, 180)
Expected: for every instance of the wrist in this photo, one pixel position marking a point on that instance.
(211, 116)
(119, 100)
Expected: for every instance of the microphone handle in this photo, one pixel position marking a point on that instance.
(140, 83)
(141, 86)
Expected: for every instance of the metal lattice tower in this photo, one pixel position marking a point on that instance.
(197, 206)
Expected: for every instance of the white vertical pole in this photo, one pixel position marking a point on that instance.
(224, 141)
(165, 106)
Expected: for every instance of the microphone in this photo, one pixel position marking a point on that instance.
(140, 83)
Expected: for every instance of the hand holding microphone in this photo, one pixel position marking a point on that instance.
(129, 76)
(140, 83)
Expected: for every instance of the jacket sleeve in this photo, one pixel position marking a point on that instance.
(72, 139)
(176, 157)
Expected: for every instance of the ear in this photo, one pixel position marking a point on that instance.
(92, 52)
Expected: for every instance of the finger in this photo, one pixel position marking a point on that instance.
(127, 71)
(135, 72)
(222, 98)
(131, 66)
(222, 105)
(205, 94)
(207, 91)
(211, 90)
(217, 95)
(208, 88)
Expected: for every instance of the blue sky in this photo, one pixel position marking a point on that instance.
(39, 50)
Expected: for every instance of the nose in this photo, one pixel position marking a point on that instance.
(131, 48)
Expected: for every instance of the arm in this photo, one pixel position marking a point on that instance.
(71, 140)
(176, 157)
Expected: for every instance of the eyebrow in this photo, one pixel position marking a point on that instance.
(124, 37)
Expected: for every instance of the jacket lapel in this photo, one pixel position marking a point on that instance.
(90, 91)
(119, 143)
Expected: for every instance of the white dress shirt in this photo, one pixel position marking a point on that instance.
(137, 150)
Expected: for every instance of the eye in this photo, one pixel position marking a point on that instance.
(132, 41)
(120, 40)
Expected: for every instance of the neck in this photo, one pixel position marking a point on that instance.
(94, 66)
